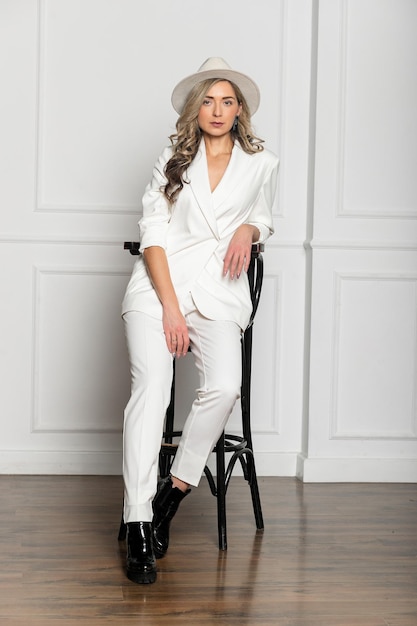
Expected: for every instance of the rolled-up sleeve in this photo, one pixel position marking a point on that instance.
(261, 212)
(154, 222)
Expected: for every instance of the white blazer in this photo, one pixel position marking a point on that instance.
(195, 233)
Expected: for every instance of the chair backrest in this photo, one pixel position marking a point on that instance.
(255, 276)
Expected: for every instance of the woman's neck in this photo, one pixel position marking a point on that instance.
(218, 145)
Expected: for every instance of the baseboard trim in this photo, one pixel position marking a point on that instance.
(308, 470)
(356, 470)
(61, 462)
(110, 463)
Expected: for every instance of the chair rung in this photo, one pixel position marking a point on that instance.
(233, 443)
(169, 448)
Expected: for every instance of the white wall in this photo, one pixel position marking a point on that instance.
(84, 113)
(361, 415)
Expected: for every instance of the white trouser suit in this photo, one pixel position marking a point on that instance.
(216, 349)
(195, 233)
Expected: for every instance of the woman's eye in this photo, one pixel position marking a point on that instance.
(205, 102)
(228, 102)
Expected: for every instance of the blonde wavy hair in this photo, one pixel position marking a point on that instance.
(187, 139)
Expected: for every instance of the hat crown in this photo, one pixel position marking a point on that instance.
(216, 67)
(214, 63)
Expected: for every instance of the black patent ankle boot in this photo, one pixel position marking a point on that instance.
(141, 565)
(165, 505)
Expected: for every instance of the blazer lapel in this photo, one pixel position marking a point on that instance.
(200, 186)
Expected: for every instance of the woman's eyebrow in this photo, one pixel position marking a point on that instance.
(223, 98)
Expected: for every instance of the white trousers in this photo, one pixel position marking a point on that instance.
(216, 348)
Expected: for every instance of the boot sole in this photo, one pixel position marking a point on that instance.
(141, 578)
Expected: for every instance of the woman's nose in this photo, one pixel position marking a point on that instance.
(217, 109)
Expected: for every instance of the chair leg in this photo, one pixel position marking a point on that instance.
(246, 423)
(165, 460)
(164, 465)
(254, 490)
(221, 493)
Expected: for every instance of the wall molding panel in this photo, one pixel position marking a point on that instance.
(365, 132)
(71, 357)
(53, 142)
(374, 357)
(350, 36)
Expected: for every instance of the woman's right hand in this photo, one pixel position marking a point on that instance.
(176, 332)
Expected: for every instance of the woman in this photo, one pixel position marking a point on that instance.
(209, 200)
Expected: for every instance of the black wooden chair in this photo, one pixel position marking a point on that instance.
(239, 447)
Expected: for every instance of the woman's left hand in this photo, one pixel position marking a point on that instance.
(238, 253)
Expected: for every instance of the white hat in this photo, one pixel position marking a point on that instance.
(215, 67)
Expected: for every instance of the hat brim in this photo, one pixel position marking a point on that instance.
(249, 89)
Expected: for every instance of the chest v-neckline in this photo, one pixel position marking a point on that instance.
(223, 176)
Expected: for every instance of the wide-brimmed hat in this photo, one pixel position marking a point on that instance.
(216, 67)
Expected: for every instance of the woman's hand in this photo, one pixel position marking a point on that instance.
(238, 253)
(176, 333)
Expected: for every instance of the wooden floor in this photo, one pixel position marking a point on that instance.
(330, 555)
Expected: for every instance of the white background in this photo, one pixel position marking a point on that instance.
(84, 112)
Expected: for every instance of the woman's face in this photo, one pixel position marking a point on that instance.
(219, 109)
